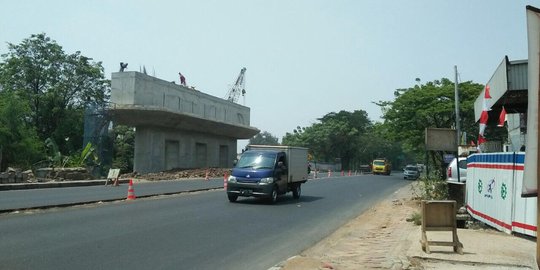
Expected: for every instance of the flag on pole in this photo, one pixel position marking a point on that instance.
(484, 116)
(502, 118)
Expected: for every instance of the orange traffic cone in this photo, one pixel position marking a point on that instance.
(225, 181)
(131, 192)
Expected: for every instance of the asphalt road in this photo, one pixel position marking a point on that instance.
(191, 231)
(32, 198)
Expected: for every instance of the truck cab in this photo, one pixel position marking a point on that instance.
(381, 166)
(268, 171)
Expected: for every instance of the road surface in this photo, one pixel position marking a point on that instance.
(191, 231)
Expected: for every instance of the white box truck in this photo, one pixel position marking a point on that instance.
(267, 171)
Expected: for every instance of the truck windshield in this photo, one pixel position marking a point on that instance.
(257, 160)
(378, 163)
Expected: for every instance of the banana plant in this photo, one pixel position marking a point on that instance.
(55, 157)
(86, 153)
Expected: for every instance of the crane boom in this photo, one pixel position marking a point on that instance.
(238, 87)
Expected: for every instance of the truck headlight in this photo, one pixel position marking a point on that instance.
(232, 179)
(267, 180)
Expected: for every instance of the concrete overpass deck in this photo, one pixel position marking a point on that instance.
(177, 126)
(136, 115)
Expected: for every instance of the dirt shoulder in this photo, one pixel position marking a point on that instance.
(382, 238)
(374, 240)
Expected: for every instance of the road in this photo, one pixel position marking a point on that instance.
(191, 231)
(32, 198)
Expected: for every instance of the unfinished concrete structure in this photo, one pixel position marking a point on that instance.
(177, 126)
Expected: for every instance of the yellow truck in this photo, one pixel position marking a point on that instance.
(381, 166)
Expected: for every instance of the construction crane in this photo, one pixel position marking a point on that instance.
(238, 88)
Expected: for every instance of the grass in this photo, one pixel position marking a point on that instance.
(415, 218)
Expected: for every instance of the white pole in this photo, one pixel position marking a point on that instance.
(458, 131)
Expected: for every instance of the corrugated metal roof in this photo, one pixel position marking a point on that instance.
(517, 75)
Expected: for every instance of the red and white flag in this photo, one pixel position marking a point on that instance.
(484, 116)
(481, 139)
(502, 118)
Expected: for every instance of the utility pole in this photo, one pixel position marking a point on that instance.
(458, 128)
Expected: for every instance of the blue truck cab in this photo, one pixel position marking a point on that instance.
(268, 171)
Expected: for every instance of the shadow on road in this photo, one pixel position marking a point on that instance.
(282, 200)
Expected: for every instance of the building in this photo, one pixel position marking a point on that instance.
(508, 88)
(177, 126)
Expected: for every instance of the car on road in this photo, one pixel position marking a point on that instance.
(411, 172)
(452, 171)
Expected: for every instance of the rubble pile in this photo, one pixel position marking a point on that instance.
(179, 174)
(12, 175)
(63, 174)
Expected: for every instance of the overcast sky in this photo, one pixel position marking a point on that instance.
(304, 58)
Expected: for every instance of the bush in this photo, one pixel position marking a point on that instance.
(415, 218)
(432, 188)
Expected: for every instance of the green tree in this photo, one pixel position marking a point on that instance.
(337, 135)
(264, 138)
(124, 148)
(19, 143)
(56, 86)
(431, 105)
(376, 143)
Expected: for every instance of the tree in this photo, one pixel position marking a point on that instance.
(430, 105)
(264, 138)
(377, 143)
(337, 135)
(19, 143)
(124, 148)
(56, 86)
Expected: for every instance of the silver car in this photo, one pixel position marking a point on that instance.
(451, 171)
(411, 172)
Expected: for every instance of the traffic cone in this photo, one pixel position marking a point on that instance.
(131, 192)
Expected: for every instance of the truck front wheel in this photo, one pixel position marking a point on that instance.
(274, 195)
(297, 190)
(232, 197)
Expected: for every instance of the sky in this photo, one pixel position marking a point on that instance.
(304, 58)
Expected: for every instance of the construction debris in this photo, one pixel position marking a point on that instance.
(179, 174)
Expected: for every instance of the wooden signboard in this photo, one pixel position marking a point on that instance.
(439, 216)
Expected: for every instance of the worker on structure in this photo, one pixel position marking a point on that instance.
(123, 66)
(182, 79)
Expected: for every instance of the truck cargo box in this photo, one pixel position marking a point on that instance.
(296, 160)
